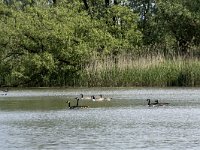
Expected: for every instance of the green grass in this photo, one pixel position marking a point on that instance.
(150, 71)
(128, 71)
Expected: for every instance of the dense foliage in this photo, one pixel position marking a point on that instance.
(51, 43)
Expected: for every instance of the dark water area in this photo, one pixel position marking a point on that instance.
(40, 119)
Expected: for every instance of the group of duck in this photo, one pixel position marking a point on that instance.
(95, 98)
(101, 98)
(98, 98)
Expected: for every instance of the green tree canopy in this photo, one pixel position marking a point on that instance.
(42, 43)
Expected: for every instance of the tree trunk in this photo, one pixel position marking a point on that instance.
(55, 2)
(86, 4)
(106, 3)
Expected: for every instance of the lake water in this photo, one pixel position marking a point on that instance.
(40, 119)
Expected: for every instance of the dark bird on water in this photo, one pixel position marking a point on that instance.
(76, 106)
(84, 97)
(156, 103)
(100, 99)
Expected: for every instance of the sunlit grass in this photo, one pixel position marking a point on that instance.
(149, 71)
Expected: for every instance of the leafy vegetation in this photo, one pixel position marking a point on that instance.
(155, 71)
(98, 43)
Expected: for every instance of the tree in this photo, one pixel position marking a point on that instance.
(48, 44)
(182, 23)
(42, 44)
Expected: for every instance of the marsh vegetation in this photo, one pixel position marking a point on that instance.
(99, 43)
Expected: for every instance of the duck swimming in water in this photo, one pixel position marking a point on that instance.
(84, 98)
(93, 98)
(101, 98)
(97, 99)
(156, 103)
(105, 98)
(77, 106)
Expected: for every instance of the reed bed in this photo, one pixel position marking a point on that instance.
(149, 71)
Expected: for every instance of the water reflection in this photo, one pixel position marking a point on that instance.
(55, 99)
(113, 128)
(39, 119)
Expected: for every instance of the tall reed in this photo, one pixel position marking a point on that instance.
(149, 71)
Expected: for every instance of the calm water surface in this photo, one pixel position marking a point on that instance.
(40, 119)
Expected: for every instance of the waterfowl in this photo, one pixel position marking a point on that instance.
(97, 99)
(107, 98)
(104, 98)
(101, 98)
(86, 98)
(151, 104)
(93, 98)
(77, 106)
(161, 104)
(156, 103)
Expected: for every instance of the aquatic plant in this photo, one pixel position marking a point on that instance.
(154, 71)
